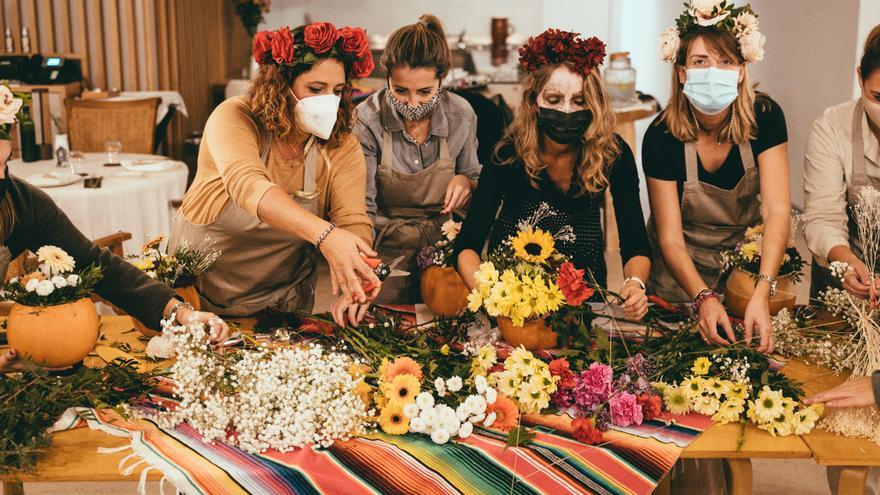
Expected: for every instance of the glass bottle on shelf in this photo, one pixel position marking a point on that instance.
(28, 134)
(620, 79)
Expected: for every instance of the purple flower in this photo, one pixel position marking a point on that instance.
(562, 399)
(625, 409)
(593, 385)
(603, 418)
(426, 257)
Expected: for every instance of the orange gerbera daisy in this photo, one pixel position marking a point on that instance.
(403, 366)
(402, 390)
(506, 413)
(393, 421)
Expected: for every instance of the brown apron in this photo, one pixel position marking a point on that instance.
(712, 219)
(260, 267)
(821, 277)
(408, 217)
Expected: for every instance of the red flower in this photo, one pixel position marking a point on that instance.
(651, 404)
(560, 367)
(282, 46)
(571, 282)
(363, 67)
(354, 41)
(562, 47)
(263, 47)
(320, 36)
(584, 430)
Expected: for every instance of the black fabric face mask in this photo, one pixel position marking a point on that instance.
(561, 127)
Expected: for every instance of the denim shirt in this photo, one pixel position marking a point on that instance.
(453, 119)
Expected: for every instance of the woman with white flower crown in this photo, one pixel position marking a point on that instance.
(718, 146)
(842, 157)
(420, 145)
(31, 221)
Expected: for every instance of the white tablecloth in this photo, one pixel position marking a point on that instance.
(168, 98)
(139, 205)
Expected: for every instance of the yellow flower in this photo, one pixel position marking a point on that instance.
(444, 349)
(716, 386)
(475, 300)
(402, 389)
(769, 405)
(555, 298)
(706, 404)
(749, 250)
(737, 391)
(56, 259)
(676, 399)
(534, 246)
(506, 382)
(693, 387)
(484, 360)
(701, 366)
(754, 232)
(729, 412)
(805, 419)
(393, 421)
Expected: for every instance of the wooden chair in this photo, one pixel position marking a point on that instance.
(26, 261)
(94, 122)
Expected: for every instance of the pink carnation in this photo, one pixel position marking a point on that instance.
(593, 385)
(625, 409)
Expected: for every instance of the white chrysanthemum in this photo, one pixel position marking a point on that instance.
(59, 282)
(490, 419)
(44, 288)
(411, 410)
(55, 259)
(440, 386)
(73, 280)
(417, 425)
(454, 384)
(465, 430)
(745, 23)
(491, 395)
(425, 400)
(769, 405)
(440, 436)
(31, 285)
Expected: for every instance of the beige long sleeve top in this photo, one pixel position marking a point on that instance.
(827, 173)
(230, 169)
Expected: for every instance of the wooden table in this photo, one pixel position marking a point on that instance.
(73, 456)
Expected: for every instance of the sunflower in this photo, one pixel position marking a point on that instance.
(534, 246)
(506, 413)
(56, 259)
(402, 366)
(393, 421)
(402, 389)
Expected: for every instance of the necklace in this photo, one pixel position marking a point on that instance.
(729, 125)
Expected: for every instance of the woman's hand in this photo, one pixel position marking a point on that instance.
(355, 312)
(857, 392)
(712, 314)
(9, 362)
(635, 302)
(458, 193)
(217, 328)
(348, 271)
(858, 279)
(758, 317)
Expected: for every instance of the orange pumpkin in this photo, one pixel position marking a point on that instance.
(443, 290)
(534, 335)
(54, 336)
(187, 293)
(741, 286)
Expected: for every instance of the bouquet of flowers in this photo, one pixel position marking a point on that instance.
(747, 255)
(55, 281)
(179, 269)
(10, 109)
(440, 253)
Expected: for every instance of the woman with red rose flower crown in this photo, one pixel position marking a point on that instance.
(281, 176)
(420, 144)
(555, 163)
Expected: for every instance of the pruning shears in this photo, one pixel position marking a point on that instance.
(383, 270)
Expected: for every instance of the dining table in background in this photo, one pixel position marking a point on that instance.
(139, 203)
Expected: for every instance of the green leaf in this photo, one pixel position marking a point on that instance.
(519, 436)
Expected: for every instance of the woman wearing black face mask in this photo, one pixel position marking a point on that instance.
(420, 145)
(556, 160)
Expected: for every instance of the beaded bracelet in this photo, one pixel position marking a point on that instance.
(703, 296)
(324, 235)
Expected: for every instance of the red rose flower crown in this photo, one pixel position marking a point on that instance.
(562, 47)
(307, 44)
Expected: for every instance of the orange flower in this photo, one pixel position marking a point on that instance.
(403, 366)
(153, 243)
(506, 413)
(37, 275)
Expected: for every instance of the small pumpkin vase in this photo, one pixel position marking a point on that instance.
(534, 335)
(54, 336)
(741, 286)
(443, 290)
(188, 293)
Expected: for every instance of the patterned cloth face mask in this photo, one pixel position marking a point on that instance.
(413, 113)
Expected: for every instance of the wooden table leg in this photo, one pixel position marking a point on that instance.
(740, 482)
(852, 480)
(13, 488)
(663, 487)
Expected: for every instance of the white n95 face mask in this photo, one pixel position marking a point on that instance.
(316, 114)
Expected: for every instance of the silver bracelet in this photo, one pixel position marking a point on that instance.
(324, 235)
(771, 281)
(172, 316)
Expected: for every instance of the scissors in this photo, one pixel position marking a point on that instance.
(383, 270)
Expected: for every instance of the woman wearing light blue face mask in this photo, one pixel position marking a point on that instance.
(281, 177)
(707, 158)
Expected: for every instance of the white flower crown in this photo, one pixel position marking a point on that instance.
(742, 22)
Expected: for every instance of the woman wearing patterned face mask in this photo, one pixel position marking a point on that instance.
(420, 144)
(842, 156)
(555, 163)
(281, 176)
(701, 157)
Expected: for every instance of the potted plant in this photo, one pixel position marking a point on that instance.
(442, 288)
(53, 320)
(178, 271)
(742, 265)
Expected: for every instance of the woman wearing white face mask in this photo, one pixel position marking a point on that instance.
(281, 176)
(842, 156)
(702, 157)
(420, 144)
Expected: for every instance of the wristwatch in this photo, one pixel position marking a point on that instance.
(771, 281)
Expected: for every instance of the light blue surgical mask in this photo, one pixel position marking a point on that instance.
(711, 90)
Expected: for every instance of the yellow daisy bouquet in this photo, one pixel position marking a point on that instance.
(746, 255)
(527, 380)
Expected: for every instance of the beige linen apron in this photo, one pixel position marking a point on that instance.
(821, 277)
(712, 219)
(408, 217)
(260, 266)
